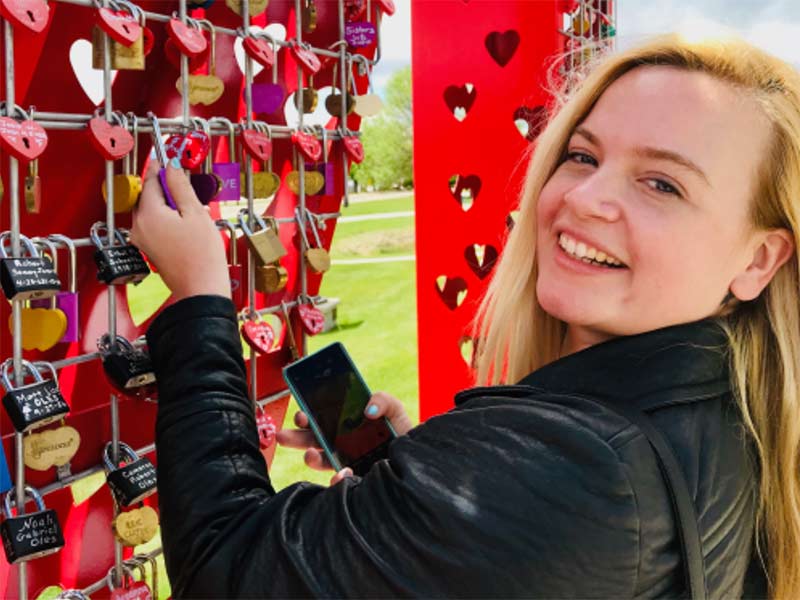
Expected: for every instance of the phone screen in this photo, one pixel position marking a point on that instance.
(335, 395)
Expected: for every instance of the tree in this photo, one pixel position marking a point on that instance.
(388, 139)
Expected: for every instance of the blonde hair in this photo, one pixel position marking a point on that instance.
(516, 336)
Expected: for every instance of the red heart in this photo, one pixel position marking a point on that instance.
(386, 6)
(311, 317)
(174, 57)
(308, 145)
(257, 144)
(25, 141)
(259, 50)
(190, 41)
(33, 14)
(258, 335)
(307, 59)
(119, 25)
(195, 144)
(112, 141)
(502, 46)
(137, 590)
(354, 148)
(265, 425)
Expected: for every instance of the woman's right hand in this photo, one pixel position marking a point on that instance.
(380, 405)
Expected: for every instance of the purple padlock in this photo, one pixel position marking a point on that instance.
(359, 34)
(267, 97)
(326, 170)
(229, 172)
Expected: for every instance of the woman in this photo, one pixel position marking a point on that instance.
(652, 268)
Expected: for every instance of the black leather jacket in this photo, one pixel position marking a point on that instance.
(525, 490)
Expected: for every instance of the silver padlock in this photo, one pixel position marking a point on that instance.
(133, 481)
(26, 277)
(36, 404)
(29, 536)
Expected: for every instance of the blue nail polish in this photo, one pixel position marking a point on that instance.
(153, 154)
(176, 164)
(372, 410)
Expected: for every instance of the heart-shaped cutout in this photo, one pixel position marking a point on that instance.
(111, 141)
(511, 219)
(257, 144)
(90, 80)
(481, 258)
(368, 105)
(312, 318)
(530, 121)
(466, 346)
(502, 46)
(259, 335)
(260, 50)
(42, 328)
(319, 116)
(313, 180)
(137, 526)
(360, 34)
(465, 189)
(203, 89)
(452, 290)
(52, 447)
(31, 14)
(189, 40)
(120, 25)
(266, 97)
(459, 99)
(25, 140)
(308, 145)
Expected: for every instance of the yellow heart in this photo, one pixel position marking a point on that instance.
(313, 182)
(203, 89)
(137, 526)
(42, 328)
(264, 184)
(256, 7)
(127, 189)
(368, 105)
(51, 447)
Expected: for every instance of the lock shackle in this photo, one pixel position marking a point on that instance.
(265, 128)
(43, 365)
(125, 452)
(201, 124)
(127, 575)
(23, 240)
(73, 258)
(31, 492)
(232, 248)
(231, 135)
(14, 108)
(256, 218)
(49, 250)
(28, 366)
(134, 155)
(105, 347)
(100, 229)
(136, 11)
(72, 595)
(301, 227)
(312, 218)
(158, 141)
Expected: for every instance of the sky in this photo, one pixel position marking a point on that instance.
(774, 25)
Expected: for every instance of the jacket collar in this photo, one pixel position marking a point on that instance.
(675, 364)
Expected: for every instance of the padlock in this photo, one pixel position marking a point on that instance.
(264, 243)
(234, 268)
(122, 57)
(334, 102)
(128, 184)
(207, 184)
(265, 182)
(26, 277)
(129, 369)
(43, 324)
(317, 258)
(271, 278)
(310, 98)
(289, 331)
(128, 588)
(35, 404)
(204, 89)
(309, 16)
(369, 104)
(67, 301)
(119, 262)
(229, 172)
(133, 481)
(33, 188)
(135, 527)
(72, 594)
(30, 536)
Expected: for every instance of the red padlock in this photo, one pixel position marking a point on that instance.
(192, 148)
(32, 14)
(112, 141)
(305, 57)
(257, 143)
(188, 38)
(235, 272)
(257, 333)
(259, 50)
(308, 145)
(353, 146)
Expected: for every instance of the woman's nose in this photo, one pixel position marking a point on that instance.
(597, 196)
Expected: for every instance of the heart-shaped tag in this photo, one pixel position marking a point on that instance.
(264, 184)
(313, 182)
(257, 143)
(137, 526)
(32, 14)
(260, 50)
(306, 58)
(354, 148)
(41, 327)
(52, 447)
(308, 145)
(368, 105)
(259, 335)
(173, 55)
(203, 89)
(265, 425)
(137, 590)
(120, 25)
(196, 145)
(360, 34)
(189, 41)
(26, 140)
(112, 141)
(312, 318)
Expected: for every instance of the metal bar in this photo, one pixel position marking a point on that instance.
(273, 397)
(102, 584)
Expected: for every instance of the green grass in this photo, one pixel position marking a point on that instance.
(378, 206)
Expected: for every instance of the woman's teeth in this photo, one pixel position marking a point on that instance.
(586, 253)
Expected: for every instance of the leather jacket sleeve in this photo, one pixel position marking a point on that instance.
(498, 497)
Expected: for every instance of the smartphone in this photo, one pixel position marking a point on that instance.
(332, 393)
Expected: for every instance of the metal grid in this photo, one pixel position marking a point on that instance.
(65, 121)
(589, 29)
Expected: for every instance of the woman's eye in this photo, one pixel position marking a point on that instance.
(664, 187)
(581, 158)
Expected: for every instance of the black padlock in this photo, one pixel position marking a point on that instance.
(131, 482)
(119, 262)
(29, 536)
(35, 404)
(26, 277)
(129, 369)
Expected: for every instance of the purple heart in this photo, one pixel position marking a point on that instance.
(359, 34)
(205, 185)
(267, 97)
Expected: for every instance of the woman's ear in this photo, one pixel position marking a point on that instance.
(773, 248)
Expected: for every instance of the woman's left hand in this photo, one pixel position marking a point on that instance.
(184, 245)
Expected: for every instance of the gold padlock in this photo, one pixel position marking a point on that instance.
(205, 89)
(263, 242)
(33, 188)
(271, 278)
(127, 58)
(309, 15)
(136, 527)
(127, 186)
(256, 7)
(317, 258)
(310, 97)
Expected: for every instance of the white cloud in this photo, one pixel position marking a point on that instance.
(396, 33)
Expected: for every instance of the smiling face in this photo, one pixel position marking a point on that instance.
(659, 177)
